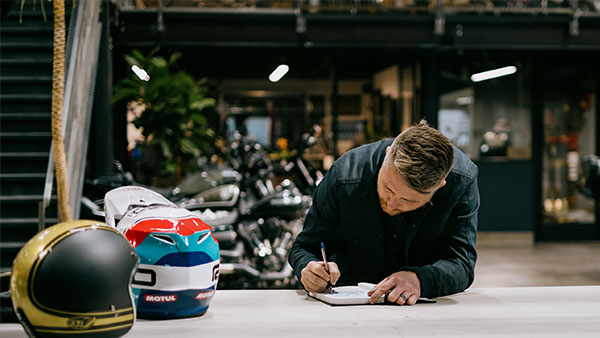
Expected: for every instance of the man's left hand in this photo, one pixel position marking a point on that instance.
(404, 288)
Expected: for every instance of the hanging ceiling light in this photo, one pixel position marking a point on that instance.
(278, 73)
(494, 73)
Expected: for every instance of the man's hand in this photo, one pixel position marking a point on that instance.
(404, 288)
(315, 278)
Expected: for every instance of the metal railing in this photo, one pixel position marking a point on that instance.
(497, 7)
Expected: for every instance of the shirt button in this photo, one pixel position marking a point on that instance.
(414, 226)
(395, 236)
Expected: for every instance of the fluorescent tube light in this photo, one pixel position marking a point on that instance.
(278, 73)
(140, 73)
(494, 73)
(465, 100)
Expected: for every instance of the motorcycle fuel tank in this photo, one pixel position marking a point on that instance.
(286, 204)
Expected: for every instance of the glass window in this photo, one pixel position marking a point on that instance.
(491, 118)
(569, 135)
(455, 118)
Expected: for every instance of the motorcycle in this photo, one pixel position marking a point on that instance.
(590, 178)
(255, 222)
(249, 162)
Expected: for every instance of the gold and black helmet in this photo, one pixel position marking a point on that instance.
(74, 279)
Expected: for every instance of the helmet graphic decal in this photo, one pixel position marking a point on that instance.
(179, 257)
(184, 227)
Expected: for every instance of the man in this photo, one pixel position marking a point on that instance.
(402, 214)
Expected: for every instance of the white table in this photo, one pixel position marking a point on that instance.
(517, 311)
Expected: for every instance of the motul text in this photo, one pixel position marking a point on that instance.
(160, 299)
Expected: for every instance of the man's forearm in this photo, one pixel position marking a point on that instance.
(299, 257)
(442, 278)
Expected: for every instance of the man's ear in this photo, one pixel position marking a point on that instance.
(387, 149)
(443, 184)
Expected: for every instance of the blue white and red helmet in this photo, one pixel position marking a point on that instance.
(179, 257)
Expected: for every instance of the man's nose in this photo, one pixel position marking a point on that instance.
(392, 204)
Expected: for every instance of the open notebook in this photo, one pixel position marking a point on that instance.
(352, 295)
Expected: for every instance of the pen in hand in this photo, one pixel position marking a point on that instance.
(329, 288)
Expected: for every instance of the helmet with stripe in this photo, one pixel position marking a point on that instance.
(179, 257)
(73, 279)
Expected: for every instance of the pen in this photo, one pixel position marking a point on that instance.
(329, 286)
(324, 257)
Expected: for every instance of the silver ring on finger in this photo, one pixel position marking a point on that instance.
(403, 297)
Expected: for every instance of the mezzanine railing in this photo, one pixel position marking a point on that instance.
(495, 7)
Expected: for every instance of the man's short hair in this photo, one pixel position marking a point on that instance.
(423, 156)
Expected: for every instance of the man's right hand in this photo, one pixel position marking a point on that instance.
(315, 278)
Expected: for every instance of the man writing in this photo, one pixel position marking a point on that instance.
(402, 214)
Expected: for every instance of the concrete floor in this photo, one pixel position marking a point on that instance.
(513, 259)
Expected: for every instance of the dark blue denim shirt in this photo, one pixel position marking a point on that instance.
(439, 238)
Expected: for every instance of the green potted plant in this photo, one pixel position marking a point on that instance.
(173, 120)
